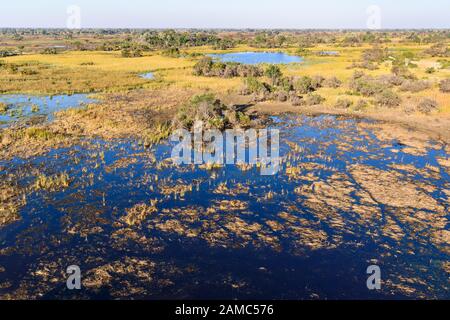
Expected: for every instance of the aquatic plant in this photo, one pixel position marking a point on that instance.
(3, 108)
(52, 183)
(34, 108)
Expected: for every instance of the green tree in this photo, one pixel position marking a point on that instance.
(274, 73)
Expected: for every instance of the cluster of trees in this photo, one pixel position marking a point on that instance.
(171, 38)
(297, 90)
(209, 68)
(210, 110)
(380, 88)
(438, 50)
(9, 53)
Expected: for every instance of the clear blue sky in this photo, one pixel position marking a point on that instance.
(226, 13)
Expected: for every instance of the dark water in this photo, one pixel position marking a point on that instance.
(83, 225)
(25, 106)
(257, 57)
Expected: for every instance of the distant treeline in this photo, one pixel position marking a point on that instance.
(151, 39)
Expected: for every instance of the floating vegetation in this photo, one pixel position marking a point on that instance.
(52, 183)
(347, 192)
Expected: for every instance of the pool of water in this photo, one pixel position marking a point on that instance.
(257, 57)
(141, 227)
(148, 75)
(25, 106)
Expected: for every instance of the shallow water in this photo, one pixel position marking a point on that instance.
(229, 233)
(26, 106)
(148, 75)
(257, 57)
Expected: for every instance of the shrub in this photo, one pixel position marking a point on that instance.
(274, 73)
(297, 100)
(375, 55)
(208, 68)
(438, 50)
(172, 53)
(281, 96)
(317, 81)
(430, 70)
(50, 51)
(253, 85)
(360, 105)
(9, 53)
(129, 53)
(304, 85)
(332, 82)
(205, 108)
(391, 80)
(367, 86)
(314, 99)
(343, 104)
(444, 85)
(387, 98)
(415, 86)
(444, 64)
(3, 108)
(427, 105)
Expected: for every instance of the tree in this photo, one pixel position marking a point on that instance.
(274, 73)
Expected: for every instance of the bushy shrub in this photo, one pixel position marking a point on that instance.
(274, 73)
(427, 105)
(253, 85)
(9, 53)
(50, 51)
(281, 96)
(375, 54)
(304, 85)
(332, 82)
(438, 50)
(317, 81)
(415, 86)
(444, 85)
(131, 53)
(343, 104)
(211, 111)
(387, 98)
(171, 52)
(360, 105)
(3, 108)
(367, 86)
(297, 100)
(314, 99)
(391, 80)
(208, 68)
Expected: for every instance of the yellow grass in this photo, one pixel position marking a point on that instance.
(106, 61)
(87, 71)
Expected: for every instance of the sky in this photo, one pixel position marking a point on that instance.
(265, 14)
